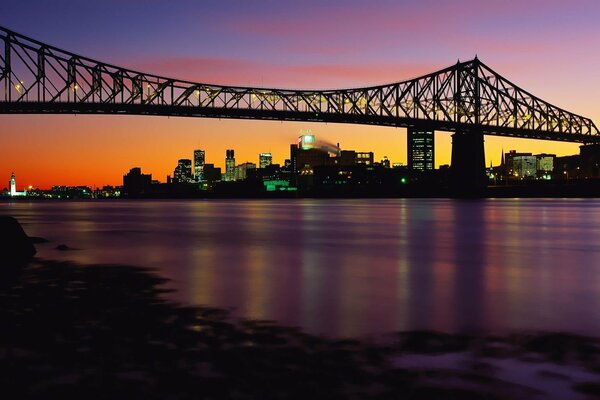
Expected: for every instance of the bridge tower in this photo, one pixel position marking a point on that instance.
(467, 170)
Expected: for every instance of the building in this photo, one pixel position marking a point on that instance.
(183, 171)
(306, 141)
(310, 158)
(241, 171)
(545, 165)
(293, 165)
(199, 165)
(229, 165)
(13, 187)
(524, 166)
(264, 160)
(212, 174)
(385, 163)
(363, 157)
(421, 149)
(136, 183)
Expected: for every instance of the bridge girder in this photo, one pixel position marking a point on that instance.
(39, 78)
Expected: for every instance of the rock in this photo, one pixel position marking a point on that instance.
(15, 245)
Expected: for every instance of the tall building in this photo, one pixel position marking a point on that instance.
(293, 167)
(199, 165)
(229, 165)
(241, 171)
(212, 174)
(183, 171)
(264, 160)
(420, 149)
(136, 183)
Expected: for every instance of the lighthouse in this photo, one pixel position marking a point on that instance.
(13, 185)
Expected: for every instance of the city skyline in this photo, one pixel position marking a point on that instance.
(54, 144)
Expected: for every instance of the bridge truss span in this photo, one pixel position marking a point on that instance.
(39, 78)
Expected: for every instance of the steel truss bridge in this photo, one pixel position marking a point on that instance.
(469, 96)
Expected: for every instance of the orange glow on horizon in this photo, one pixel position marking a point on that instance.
(99, 150)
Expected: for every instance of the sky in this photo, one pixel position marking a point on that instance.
(548, 47)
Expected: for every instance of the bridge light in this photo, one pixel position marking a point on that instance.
(75, 87)
(19, 86)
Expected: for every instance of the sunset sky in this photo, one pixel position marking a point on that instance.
(551, 48)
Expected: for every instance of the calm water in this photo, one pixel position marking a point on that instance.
(352, 267)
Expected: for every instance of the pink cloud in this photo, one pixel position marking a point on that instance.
(228, 71)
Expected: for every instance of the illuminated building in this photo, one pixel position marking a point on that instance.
(229, 165)
(264, 160)
(241, 170)
(524, 166)
(365, 158)
(306, 141)
(420, 149)
(199, 165)
(545, 165)
(183, 171)
(13, 187)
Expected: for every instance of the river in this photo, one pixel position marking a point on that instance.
(351, 268)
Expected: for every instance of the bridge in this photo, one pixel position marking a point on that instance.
(468, 98)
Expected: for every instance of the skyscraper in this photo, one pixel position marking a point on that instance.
(183, 171)
(199, 165)
(420, 149)
(229, 165)
(265, 159)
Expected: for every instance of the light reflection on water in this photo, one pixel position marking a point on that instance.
(352, 267)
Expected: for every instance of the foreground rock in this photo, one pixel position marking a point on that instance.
(15, 245)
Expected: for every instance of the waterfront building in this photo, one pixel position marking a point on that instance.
(421, 149)
(545, 165)
(199, 159)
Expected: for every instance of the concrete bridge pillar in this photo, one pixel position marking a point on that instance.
(467, 171)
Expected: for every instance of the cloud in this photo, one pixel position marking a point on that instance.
(228, 71)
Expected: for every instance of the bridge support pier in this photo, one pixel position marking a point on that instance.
(467, 171)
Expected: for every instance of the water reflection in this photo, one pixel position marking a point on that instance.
(352, 267)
